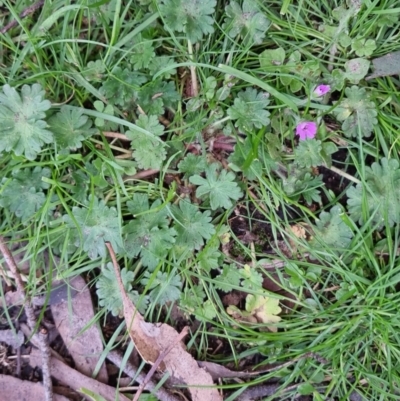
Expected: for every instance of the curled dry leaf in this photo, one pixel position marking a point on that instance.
(152, 340)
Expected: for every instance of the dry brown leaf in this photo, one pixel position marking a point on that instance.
(387, 65)
(85, 346)
(151, 340)
(16, 389)
(74, 379)
(298, 230)
(12, 338)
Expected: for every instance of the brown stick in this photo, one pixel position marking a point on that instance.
(30, 315)
(29, 10)
(158, 361)
(142, 174)
(117, 135)
(18, 282)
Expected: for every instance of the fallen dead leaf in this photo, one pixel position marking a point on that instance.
(386, 65)
(74, 379)
(151, 340)
(16, 389)
(12, 338)
(298, 230)
(84, 344)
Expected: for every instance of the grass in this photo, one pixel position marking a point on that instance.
(343, 295)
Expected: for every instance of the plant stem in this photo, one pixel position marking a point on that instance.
(195, 89)
(343, 174)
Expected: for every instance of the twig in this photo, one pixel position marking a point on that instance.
(45, 352)
(142, 174)
(31, 318)
(275, 389)
(158, 361)
(18, 281)
(258, 392)
(34, 340)
(29, 10)
(117, 135)
(18, 370)
(124, 156)
(129, 369)
(343, 174)
(112, 255)
(195, 88)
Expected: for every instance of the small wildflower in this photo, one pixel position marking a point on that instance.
(321, 90)
(306, 130)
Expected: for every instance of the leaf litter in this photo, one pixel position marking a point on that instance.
(72, 320)
(152, 340)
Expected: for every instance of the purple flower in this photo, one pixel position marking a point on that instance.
(306, 130)
(320, 90)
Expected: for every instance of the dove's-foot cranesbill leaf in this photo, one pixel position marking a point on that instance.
(23, 129)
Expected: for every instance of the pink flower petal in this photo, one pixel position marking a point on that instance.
(320, 90)
(306, 130)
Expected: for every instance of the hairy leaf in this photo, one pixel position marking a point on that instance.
(209, 256)
(191, 17)
(249, 110)
(356, 69)
(192, 297)
(104, 124)
(192, 165)
(23, 193)
(228, 279)
(246, 21)
(308, 153)
(121, 88)
(251, 278)
(94, 71)
(147, 151)
(220, 187)
(163, 288)
(363, 47)
(206, 312)
(273, 59)
(161, 62)
(240, 156)
(331, 231)
(97, 224)
(357, 112)
(110, 295)
(387, 65)
(299, 181)
(70, 128)
(155, 96)
(143, 53)
(381, 194)
(191, 225)
(148, 235)
(259, 309)
(22, 128)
